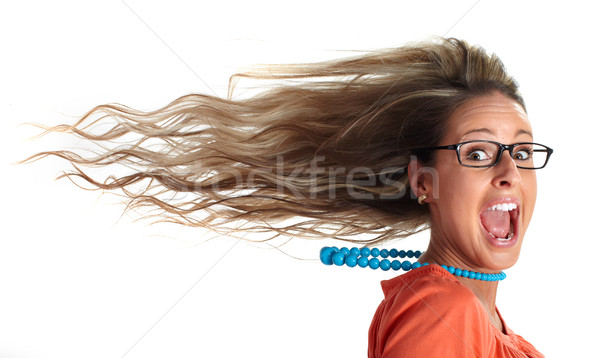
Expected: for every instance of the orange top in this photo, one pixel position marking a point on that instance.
(427, 312)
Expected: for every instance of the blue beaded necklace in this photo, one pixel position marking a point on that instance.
(360, 257)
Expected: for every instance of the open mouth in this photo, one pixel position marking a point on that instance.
(500, 223)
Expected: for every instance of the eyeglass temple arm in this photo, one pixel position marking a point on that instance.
(452, 147)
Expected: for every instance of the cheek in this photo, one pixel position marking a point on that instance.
(533, 186)
(460, 184)
(462, 194)
(459, 194)
(529, 183)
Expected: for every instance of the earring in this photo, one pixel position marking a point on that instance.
(422, 198)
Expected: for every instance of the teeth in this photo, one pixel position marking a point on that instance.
(510, 235)
(504, 238)
(503, 207)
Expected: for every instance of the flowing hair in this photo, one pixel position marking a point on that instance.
(325, 144)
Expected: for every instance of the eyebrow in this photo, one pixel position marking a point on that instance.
(523, 131)
(486, 130)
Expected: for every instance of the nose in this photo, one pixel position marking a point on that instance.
(506, 172)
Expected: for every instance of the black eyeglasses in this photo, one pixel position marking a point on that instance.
(485, 153)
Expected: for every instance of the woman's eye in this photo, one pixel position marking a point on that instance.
(522, 155)
(478, 155)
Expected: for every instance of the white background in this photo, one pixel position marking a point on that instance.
(79, 280)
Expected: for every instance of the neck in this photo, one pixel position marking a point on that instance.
(484, 290)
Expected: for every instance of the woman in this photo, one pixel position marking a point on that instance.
(430, 135)
(478, 219)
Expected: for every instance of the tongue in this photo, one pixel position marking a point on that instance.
(496, 222)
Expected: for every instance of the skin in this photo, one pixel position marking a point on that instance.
(457, 237)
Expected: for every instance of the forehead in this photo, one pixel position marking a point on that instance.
(492, 115)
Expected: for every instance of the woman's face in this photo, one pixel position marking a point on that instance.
(462, 211)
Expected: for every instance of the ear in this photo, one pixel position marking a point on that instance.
(420, 182)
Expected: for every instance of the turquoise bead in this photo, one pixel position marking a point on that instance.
(375, 252)
(394, 253)
(465, 273)
(326, 254)
(355, 251)
(401, 254)
(365, 251)
(451, 269)
(338, 258)
(458, 272)
(384, 253)
(363, 261)
(416, 265)
(478, 276)
(351, 260)
(396, 265)
(374, 263)
(410, 254)
(472, 275)
(385, 264)
(406, 265)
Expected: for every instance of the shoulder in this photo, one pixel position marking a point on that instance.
(428, 312)
(431, 280)
(431, 291)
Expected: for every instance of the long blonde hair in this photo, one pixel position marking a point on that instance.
(328, 144)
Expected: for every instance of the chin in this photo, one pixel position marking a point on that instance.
(505, 260)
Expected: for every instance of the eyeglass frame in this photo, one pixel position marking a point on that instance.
(503, 147)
